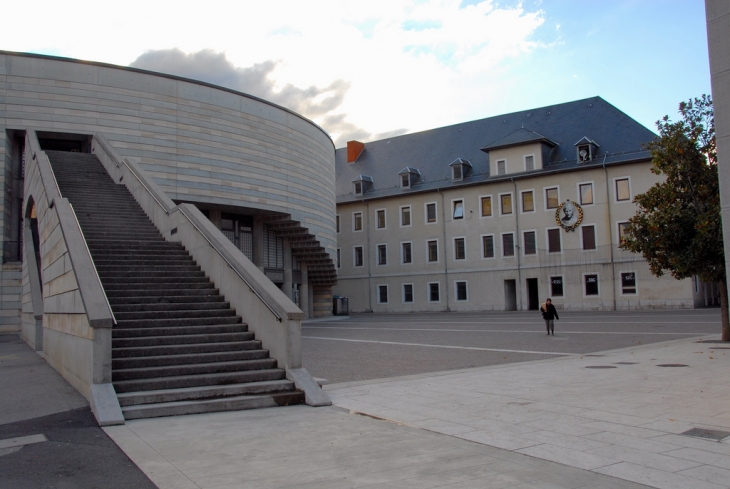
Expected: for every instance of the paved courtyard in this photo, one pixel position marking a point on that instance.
(376, 346)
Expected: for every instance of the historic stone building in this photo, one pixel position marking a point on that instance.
(500, 213)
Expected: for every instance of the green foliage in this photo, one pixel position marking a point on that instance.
(677, 227)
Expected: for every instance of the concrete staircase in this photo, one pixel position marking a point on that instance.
(178, 347)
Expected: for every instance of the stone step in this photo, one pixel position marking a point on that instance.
(236, 403)
(162, 320)
(180, 381)
(161, 331)
(161, 288)
(151, 279)
(155, 300)
(205, 392)
(185, 349)
(157, 294)
(180, 339)
(144, 261)
(173, 313)
(194, 358)
(120, 309)
(161, 372)
(161, 272)
(149, 266)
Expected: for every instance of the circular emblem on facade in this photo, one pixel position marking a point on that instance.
(569, 215)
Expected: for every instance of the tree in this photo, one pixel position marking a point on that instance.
(677, 226)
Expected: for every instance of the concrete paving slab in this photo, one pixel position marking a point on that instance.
(301, 446)
(624, 421)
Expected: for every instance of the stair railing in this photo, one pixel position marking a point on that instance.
(254, 291)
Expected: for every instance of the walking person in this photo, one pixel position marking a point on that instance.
(549, 314)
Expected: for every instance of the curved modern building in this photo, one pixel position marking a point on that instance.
(262, 174)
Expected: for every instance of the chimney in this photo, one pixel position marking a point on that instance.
(354, 150)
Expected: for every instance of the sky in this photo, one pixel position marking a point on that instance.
(376, 69)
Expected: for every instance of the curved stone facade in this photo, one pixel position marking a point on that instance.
(203, 144)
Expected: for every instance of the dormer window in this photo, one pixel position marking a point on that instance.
(362, 184)
(501, 167)
(459, 169)
(409, 177)
(529, 162)
(586, 150)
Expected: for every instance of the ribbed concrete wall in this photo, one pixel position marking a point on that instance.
(199, 142)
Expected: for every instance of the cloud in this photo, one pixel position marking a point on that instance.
(316, 103)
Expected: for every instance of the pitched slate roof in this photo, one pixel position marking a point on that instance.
(520, 136)
(621, 139)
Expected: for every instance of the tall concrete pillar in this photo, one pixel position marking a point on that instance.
(717, 13)
(215, 217)
(258, 242)
(305, 295)
(287, 268)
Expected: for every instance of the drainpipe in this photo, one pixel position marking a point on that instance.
(610, 232)
(517, 241)
(446, 260)
(370, 276)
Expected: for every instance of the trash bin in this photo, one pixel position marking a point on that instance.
(340, 306)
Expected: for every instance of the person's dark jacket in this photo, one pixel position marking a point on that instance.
(550, 312)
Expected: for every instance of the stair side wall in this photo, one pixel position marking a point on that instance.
(76, 318)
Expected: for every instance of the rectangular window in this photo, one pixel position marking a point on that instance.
(431, 212)
(407, 293)
(628, 283)
(508, 244)
(487, 206)
(459, 249)
(506, 201)
(501, 167)
(433, 251)
(457, 174)
(553, 240)
(405, 216)
(623, 228)
(433, 292)
(406, 253)
(382, 254)
(461, 291)
(589, 237)
(382, 294)
(358, 188)
(529, 163)
(405, 180)
(551, 198)
(622, 189)
(338, 258)
(357, 221)
(530, 243)
(528, 201)
(380, 218)
(586, 193)
(488, 246)
(556, 286)
(458, 209)
(357, 259)
(337, 223)
(591, 283)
